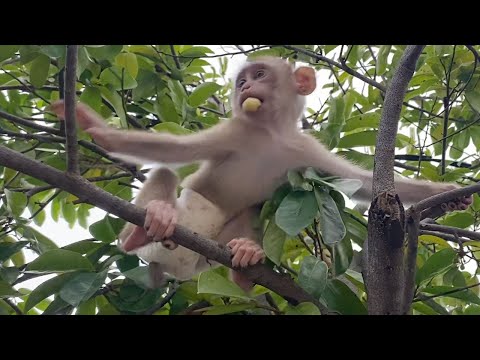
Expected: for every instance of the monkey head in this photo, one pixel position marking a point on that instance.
(269, 88)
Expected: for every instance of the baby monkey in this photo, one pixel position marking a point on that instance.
(243, 161)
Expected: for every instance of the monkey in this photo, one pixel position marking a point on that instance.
(243, 161)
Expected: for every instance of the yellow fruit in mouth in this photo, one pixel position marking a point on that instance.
(251, 104)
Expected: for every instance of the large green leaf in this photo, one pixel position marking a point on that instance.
(7, 249)
(296, 211)
(47, 288)
(331, 224)
(82, 286)
(303, 309)
(119, 78)
(313, 276)
(342, 255)
(6, 290)
(16, 202)
(44, 242)
(39, 70)
(338, 297)
(273, 242)
(202, 93)
(210, 282)
(368, 120)
(7, 51)
(165, 109)
(59, 260)
(129, 62)
(437, 264)
(458, 219)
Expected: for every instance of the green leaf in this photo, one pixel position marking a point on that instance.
(44, 242)
(7, 51)
(172, 128)
(210, 282)
(423, 308)
(363, 160)
(331, 224)
(7, 249)
(39, 70)
(129, 62)
(118, 78)
(140, 275)
(16, 202)
(228, 309)
(54, 51)
(437, 264)
(473, 98)
(82, 286)
(47, 288)
(104, 52)
(202, 93)
(116, 101)
(102, 230)
(147, 80)
(305, 308)
(273, 242)
(89, 307)
(347, 186)
(297, 211)
(338, 297)
(69, 213)
(463, 294)
(458, 219)
(60, 260)
(336, 120)
(165, 109)
(92, 97)
(472, 310)
(369, 120)
(313, 276)
(6, 290)
(342, 255)
(382, 59)
(196, 51)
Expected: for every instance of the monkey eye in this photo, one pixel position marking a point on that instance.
(241, 82)
(260, 73)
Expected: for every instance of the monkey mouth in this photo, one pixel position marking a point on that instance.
(245, 96)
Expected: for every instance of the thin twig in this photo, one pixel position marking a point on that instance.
(70, 115)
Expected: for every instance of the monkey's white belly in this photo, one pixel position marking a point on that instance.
(197, 214)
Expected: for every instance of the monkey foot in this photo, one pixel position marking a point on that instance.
(245, 252)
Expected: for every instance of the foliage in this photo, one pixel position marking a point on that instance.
(310, 230)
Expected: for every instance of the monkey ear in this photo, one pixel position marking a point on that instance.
(305, 80)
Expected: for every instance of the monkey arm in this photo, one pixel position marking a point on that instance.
(410, 191)
(166, 148)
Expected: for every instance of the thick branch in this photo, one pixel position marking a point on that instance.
(384, 273)
(446, 197)
(383, 179)
(70, 118)
(80, 187)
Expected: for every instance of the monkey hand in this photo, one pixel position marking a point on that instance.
(245, 252)
(86, 117)
(160, 222)
(460, 203)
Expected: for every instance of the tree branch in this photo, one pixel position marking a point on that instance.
(70, 116)
(28, 123)
(80, 187)
(384, 266)
(451, 230)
